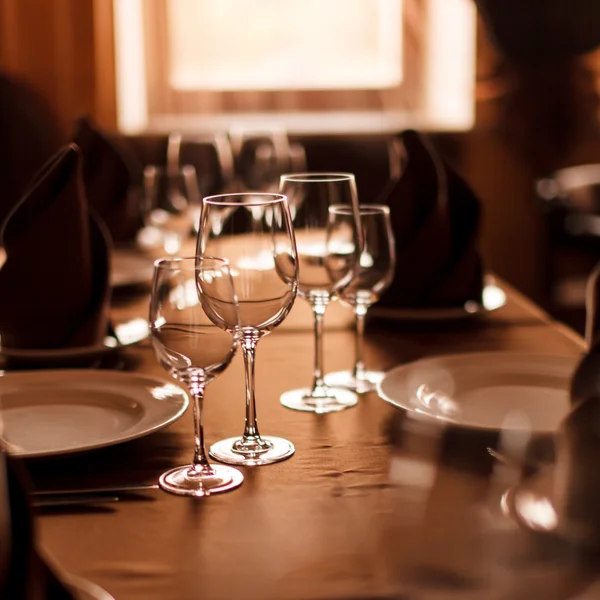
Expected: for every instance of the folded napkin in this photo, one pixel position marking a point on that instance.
(26, 575)
(435, 218)
(31, 134)
(54, 284)
(113, 176)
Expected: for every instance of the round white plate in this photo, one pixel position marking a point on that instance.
(48, 413)
(86, 590)
(125, 334)
(130, 268)
(493, 297)
(482, 390)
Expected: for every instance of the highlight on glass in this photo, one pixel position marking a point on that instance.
(327, 257)
(194, 325)
(254, 232)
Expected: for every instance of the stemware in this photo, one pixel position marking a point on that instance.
(254, 232)
(327, 262)
(373, 276)
(261, 156)
(194, 325)
(170, 196)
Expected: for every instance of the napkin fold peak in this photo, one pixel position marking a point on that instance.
(54, 285)
(435, 217)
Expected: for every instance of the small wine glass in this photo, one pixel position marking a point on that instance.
(194, 324)
(374, 275)
(328, 258)
(254, 232)
(170, 196)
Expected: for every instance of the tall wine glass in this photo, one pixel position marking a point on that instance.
(171, 196)
(194, 326)
(328, 259)
(254, 232)
(373, 276)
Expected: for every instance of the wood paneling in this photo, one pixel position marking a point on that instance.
(64, 49)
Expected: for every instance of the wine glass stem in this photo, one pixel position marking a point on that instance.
(249, 352)
(359, 338)
(318, 380)
(200, 462)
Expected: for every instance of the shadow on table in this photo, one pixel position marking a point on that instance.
(139, 461)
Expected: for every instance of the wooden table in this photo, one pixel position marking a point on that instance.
(349, 516)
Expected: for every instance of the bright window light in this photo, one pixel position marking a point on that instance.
(298, 45)
(233, 45)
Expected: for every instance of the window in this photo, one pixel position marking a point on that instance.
(411, 60)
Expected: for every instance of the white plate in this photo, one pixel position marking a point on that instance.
(86, 590)
(492, 298)
(125, 334)
(130, 268)
(48, 413)
(481, 390)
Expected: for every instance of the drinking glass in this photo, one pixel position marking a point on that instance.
(373, 276)
(327, 261)
(170, 196)
(261, 156)
(194, 324)
(254, 232)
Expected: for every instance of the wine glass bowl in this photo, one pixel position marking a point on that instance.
(328, 253)
(194, 328)
(170, 206)
(372, 277)
(254, 232)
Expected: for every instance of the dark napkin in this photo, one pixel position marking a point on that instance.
(28, 576)
(435, 217)
(54, 284)
(113, 177)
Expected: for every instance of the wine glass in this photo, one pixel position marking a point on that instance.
(212, 157)
(254, 232)
(328, 258)
(194, 324)
(374, 275)
(170, 195)
(261, 155)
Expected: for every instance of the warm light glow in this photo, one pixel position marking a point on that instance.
(450, 70)
(130, 68)
(275, 45)
(237, 45)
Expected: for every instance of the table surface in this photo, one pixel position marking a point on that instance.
(351, 515)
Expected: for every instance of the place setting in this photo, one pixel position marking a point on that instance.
(256, 255)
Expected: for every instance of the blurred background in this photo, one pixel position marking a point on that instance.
(508, 95)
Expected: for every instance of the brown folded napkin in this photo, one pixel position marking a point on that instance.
(31, 133)
(113, 177)
(435, 218)
(28, 575)
(54, 284)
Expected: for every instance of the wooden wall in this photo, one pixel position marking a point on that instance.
(64, 49)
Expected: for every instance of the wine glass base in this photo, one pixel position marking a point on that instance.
(178, 481)
(302, 400)
(345, 379)
(279, 450)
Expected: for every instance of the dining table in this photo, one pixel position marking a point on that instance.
(362, 510)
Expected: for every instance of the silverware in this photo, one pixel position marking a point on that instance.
(78, 500)
(95, 491)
